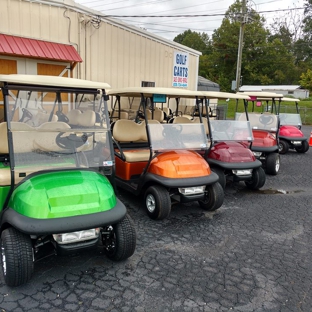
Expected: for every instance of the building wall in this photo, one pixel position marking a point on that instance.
(111, 51)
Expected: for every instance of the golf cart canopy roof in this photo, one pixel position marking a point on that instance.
(225, 95)
(149, 92)
(258, 95)
(285, 99)
(175, 93)
(51, 81)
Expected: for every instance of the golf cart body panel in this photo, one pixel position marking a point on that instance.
(62, 194)
(57, 173)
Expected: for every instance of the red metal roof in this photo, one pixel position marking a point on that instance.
(25, 47)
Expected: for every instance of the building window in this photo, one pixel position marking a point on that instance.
(290, 92)
(148, 84)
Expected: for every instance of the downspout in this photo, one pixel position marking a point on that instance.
(72, 66)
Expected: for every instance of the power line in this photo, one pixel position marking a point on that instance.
(197, 15)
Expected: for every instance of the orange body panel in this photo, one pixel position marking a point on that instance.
(125, 170)
(173, 164)
(179, 164)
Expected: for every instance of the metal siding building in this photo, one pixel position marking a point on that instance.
(110, 51)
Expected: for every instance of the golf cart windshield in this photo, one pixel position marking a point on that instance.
(53, 130)
(265, 121)
(290, 120)
(178, 136)
(231, 130)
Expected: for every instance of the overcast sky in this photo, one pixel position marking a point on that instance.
(170, 27)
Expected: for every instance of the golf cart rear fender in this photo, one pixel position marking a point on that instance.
(152, 179)
(62, 225)
(264, 138)
(59, 194)
(231, 152)
(179, 164)
(291, 132)
(125, 170)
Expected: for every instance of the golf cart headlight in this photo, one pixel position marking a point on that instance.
(192, 190)
(296, 142)
(257, 154)
(73, 237)
(242, 172)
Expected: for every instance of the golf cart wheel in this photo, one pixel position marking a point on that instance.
(272, 163)
(303, 148)
(221, 175)
(119, 240)
(16, 257)
(283, 147)
(258, 179)
(213, 198)
(157, 202)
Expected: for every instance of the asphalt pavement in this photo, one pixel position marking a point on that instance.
(252, 254)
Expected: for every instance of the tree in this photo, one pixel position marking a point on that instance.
(306, 80)
(197, 41)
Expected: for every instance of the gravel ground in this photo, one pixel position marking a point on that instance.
(252, 254)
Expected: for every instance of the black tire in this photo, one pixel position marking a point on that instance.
(258, 179)
(283, 147)
(303, 148)
(221, 175)
(157, 202)
(272, 163)
(119, 240)
(214, 197)
(16, 257)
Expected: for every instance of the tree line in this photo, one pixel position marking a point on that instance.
(278, 54)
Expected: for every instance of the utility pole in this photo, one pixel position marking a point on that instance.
(240, 46)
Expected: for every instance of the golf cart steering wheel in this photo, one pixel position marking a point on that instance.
(71, 141)
(26, 114)
(266, 119)
(62, 117)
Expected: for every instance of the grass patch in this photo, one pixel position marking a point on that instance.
(305, 108)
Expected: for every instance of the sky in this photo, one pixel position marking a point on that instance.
(170, 27)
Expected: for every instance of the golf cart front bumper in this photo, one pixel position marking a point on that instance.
(182, 182)
(38, 227)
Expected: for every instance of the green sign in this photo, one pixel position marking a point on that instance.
(159, 98)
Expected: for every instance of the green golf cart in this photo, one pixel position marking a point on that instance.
(56, 174)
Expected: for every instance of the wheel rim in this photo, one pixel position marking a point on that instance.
(277, 164)
(3, 259)
(280, 147)
(150, 203)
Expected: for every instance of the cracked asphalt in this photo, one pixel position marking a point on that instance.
(253, 254)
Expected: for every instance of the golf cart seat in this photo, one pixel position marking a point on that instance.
(40, 118)
(158, 115)
(128, 131)
(183, 119)
(77, 118)
(257, 124)
(123, 115)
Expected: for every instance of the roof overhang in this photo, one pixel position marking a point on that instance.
(40, 49)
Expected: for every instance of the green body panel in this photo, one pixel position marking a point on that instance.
(63, 194)
(4, 190)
